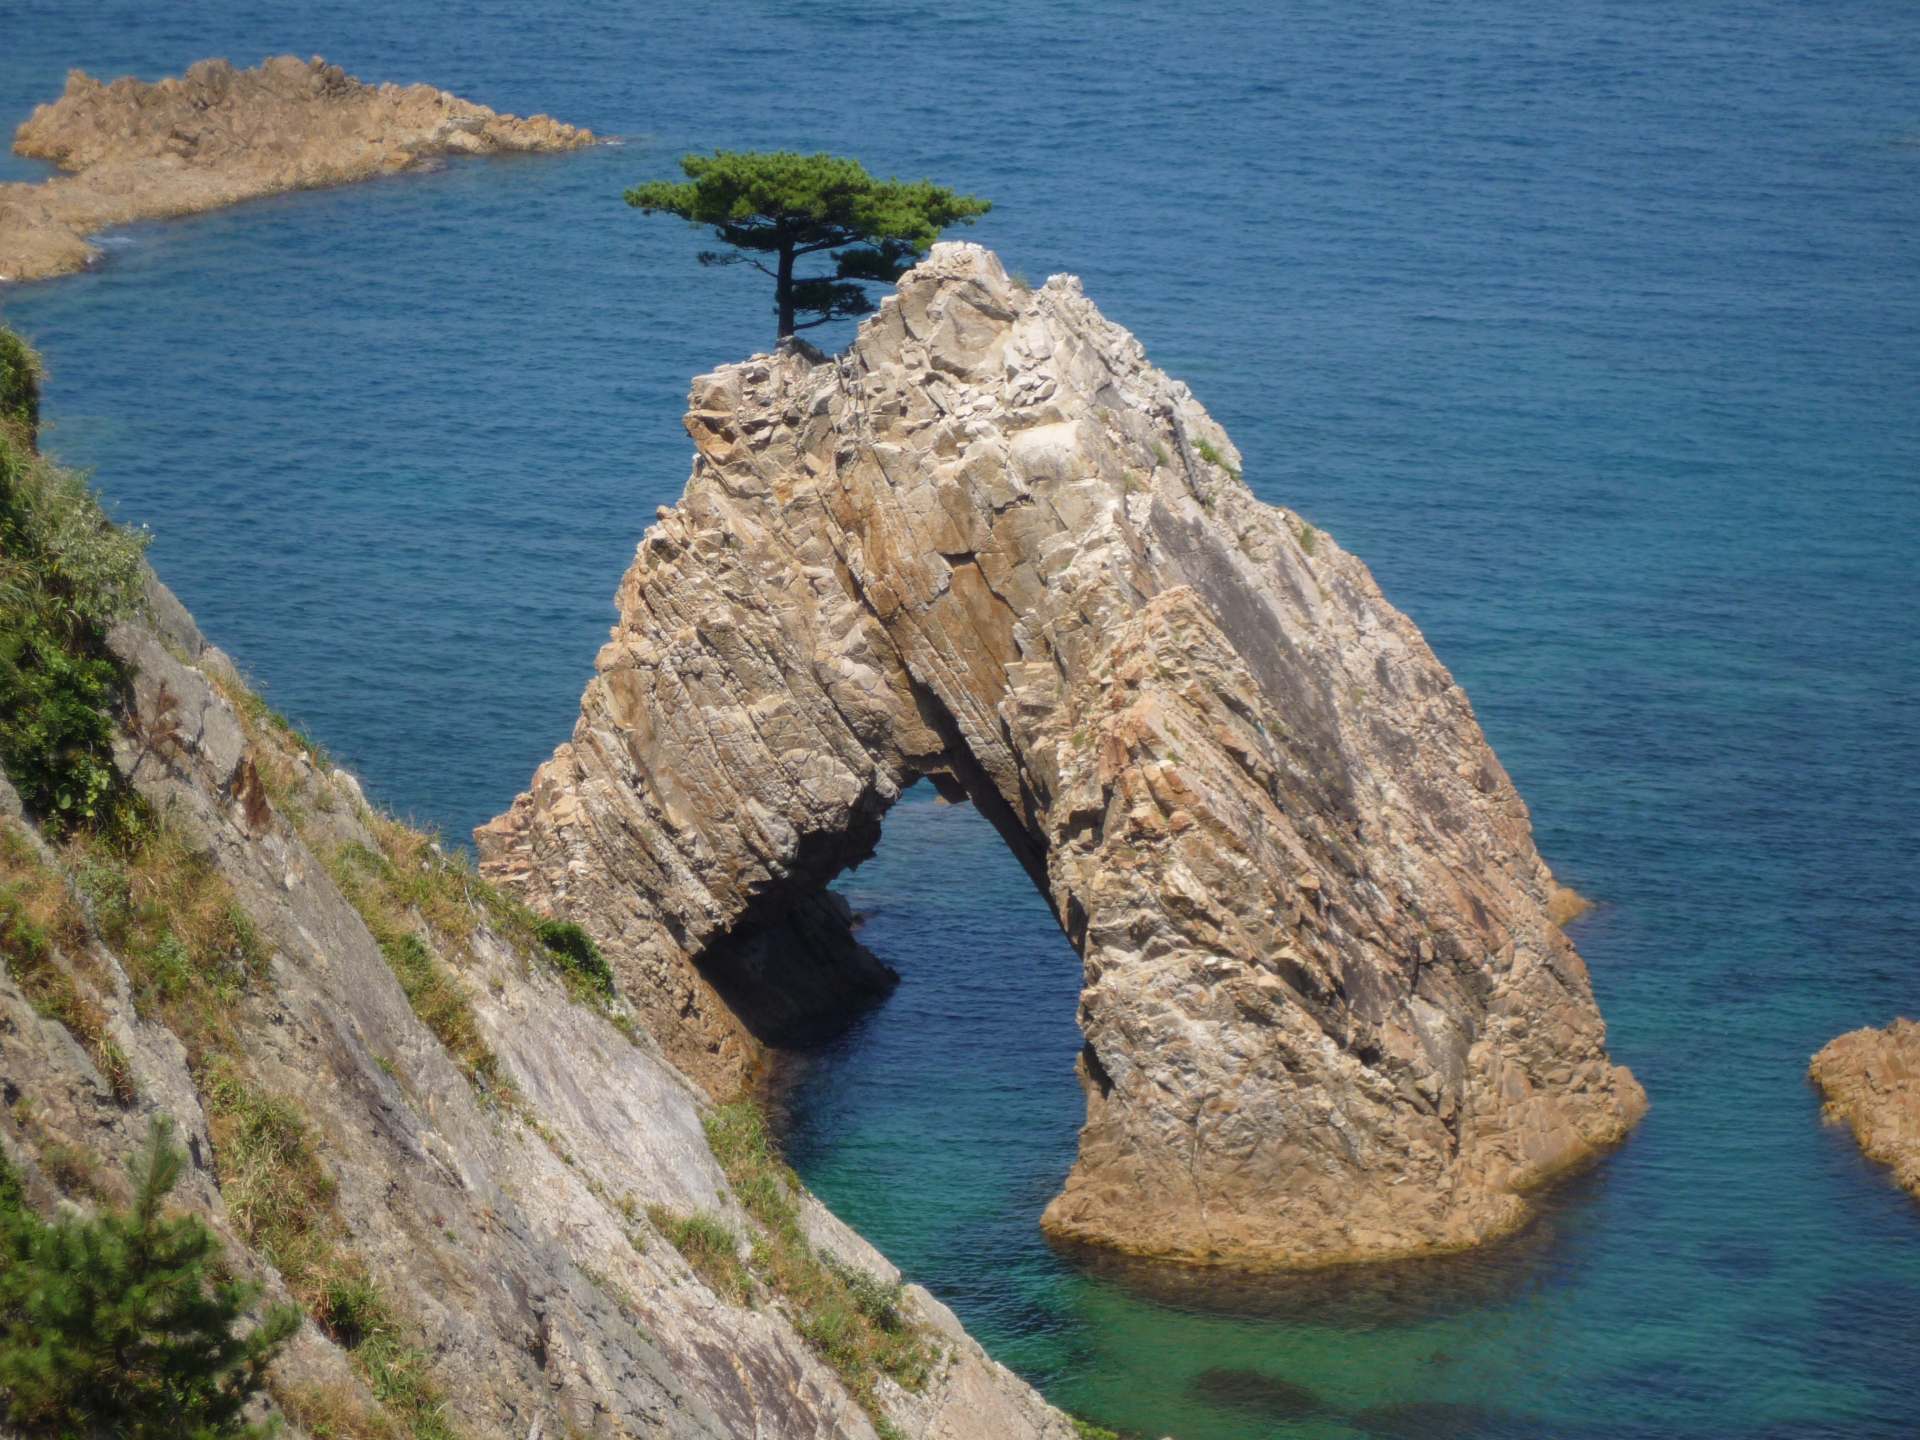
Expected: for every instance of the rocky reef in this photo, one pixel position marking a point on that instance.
(218, 135)
(1871, 1081)
(500, 1209)
(1328, 1013)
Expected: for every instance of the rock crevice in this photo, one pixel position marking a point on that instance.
(1327, 1016)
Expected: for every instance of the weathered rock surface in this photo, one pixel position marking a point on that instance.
(517, 1242)
(1871, 1080)
(509, 1221)
(216, 136)
(1327, 1015)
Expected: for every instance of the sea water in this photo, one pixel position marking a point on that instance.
(1593, 327)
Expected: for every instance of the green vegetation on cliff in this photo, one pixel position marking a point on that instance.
(125, 1322)
(852, 1319)
(66, 574)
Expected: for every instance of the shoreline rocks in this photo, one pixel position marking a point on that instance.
(216, 136)
(1329, 1013)
(1870, 1080)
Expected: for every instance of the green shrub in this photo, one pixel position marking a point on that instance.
(1307, 536)
(124, 1324)
(575, 953)
(19, 386)
(66, 574)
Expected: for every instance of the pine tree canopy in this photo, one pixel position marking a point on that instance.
(124, 1323)
(790, 206)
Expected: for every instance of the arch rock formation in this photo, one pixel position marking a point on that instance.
(1326, 1013)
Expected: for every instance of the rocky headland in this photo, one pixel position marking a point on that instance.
(1871, 1080)
(1328, 1012)
(216, 136)
(498, 1207)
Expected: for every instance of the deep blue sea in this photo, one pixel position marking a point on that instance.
(1593, 326)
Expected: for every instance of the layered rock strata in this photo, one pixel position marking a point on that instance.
(218, 135)
(1871, 1081)
(1327, 1015)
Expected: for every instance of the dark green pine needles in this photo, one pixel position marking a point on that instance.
(125, 1324)
(789, 206)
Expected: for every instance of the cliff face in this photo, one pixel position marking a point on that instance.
(473, 1174)
(1326, 1013)
(1871, 1081)
(216, 136)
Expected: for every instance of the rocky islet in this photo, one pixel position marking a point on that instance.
(216, 136)
(1870, 1079)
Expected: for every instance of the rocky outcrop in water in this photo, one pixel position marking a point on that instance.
(1871, 1081)
(216, 136)
(1327, 1014)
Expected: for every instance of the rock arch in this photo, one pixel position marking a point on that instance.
(1326, 1013)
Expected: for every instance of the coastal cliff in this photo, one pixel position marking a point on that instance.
(216, 136)
(409, 1109)
(1328, 1012)
(1871, 1081)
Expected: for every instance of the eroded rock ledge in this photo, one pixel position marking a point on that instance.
(216, 136)
(1871, 1080)
(1327, 1015)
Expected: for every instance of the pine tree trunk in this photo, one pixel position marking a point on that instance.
(783, 292)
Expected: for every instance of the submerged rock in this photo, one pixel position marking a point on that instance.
(1256, 1393)
(1440, 1420)
(1327, 1014)
(218, 135)
(1871, 1080)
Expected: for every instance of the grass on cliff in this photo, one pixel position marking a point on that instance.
(709, 1245)
(190, 949)
(1213, 456)
(192, 953)
(283, 1203)
(395, 900)
(46, 948)
(851, 1319)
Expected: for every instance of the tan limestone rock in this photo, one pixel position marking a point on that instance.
(1871, 1080)
(217, 136)
(1328, 1013)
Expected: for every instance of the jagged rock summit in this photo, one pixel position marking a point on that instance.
(1871, 1081)
(1326, 1014)
(218, 135)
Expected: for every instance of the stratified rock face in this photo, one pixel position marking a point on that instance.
(1326, 1014)
(1871, 1080)
(219, 135)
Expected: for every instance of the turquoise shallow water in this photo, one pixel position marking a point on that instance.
(1595, 328)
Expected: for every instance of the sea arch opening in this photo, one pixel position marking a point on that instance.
(939, 1122)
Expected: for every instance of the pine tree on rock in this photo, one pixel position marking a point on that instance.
(789, 206)
(123, 1324)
